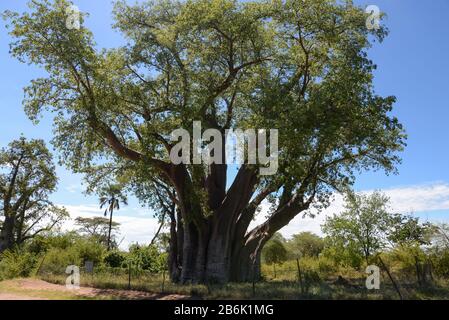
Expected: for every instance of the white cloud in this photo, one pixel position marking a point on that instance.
(408, 199)
(73, 188)
(429, 197)
(132, 228)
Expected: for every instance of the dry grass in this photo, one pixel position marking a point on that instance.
(277, 289)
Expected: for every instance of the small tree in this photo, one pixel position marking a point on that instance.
(305, 244)
(364, 226)
(274, 253)
(411, 237)
(110, 198)
(27, 178)
(147, 258)
(98, 228)
(115, 259)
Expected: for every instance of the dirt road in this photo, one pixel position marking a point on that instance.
(33, 289)
(7, 296)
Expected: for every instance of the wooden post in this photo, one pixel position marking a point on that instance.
(254, 278)
(418, 271)
(129, 275)
(300, 276)
(391, 278)
(431, 269)
(40, 265)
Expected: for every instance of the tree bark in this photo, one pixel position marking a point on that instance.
(219, 248)
(20, 224)
(174, 268)
(216, 257)
(7, 233)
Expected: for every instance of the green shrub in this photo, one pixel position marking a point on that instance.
(441, 263)
(17, 263)
(56, 260)
(310, 278)
(343, 256)
(42, 243)
(326, 266)
(115, 259)
(147, 258)
(89, 250)
(404, 261)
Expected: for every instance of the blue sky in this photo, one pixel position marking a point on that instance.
(412, 64)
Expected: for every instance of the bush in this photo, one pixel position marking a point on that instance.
(115, 259)
(17, 263)
(441, 263)
(89, 250)
(326, 266)
(310, 278)
(147, 258)
(56, 260)
(42, 243)
(343, 256)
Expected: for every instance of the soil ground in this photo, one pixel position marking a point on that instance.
(33, 289)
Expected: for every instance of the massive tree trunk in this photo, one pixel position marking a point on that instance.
(216, 246)
(174, 267)
(246, 264)
(209, 239)
(215, 257)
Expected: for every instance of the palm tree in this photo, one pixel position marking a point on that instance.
(110, 198)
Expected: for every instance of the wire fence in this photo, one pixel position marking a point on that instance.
(131, 278)
(300, 279)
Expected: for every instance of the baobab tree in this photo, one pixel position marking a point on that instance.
(27, 178)
(299, 66)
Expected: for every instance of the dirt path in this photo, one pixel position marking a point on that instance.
(7, 296)
(33, 289)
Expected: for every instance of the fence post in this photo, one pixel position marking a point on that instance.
(431, 267)
(418, 272)
(396, 287)
(254, 278)
(40, 265)
(129, 275)
(163, 281)
(300, 276)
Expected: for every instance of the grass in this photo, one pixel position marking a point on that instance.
(276, 289)
(319, 276)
